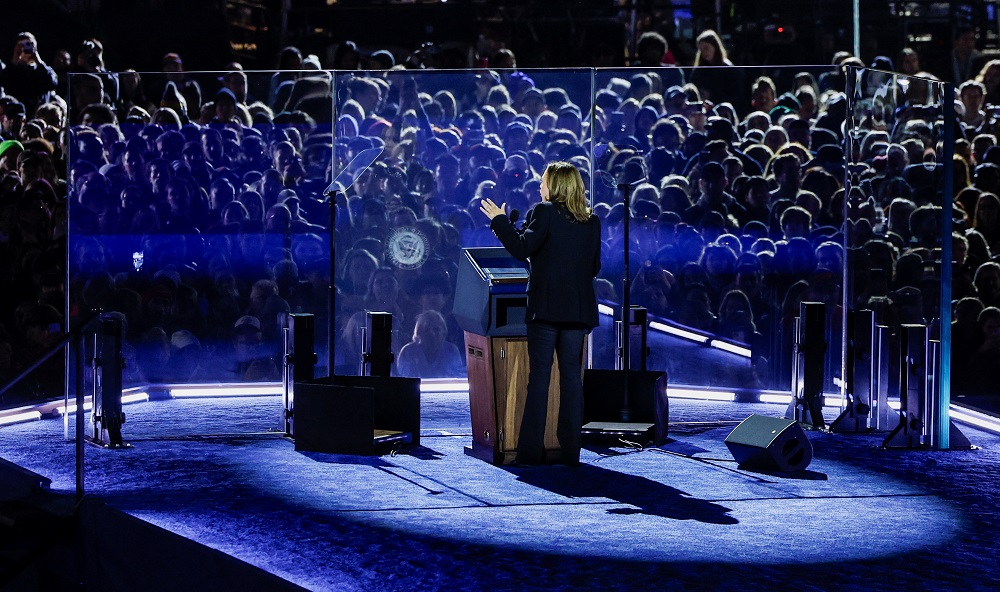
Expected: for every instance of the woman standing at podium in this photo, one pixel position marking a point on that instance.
(561, 240)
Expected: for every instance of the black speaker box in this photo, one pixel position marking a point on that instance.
(355, 414)
(770, 444)
(604, 398)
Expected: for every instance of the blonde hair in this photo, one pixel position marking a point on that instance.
(428, 317)
(566, 187)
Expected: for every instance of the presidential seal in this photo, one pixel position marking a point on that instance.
(407, 248)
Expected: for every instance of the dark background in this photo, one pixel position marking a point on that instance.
(555, 33)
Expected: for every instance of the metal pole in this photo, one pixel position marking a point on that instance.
(331, 303)
(633, 18)
(943, 415)
(626, 412)
(856, 9)
(286, 380)
(79, 417)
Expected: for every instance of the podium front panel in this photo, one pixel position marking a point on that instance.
(498, 387)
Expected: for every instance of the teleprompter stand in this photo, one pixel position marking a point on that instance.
(348, 414)
(624, 403)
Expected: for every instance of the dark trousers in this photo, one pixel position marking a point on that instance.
(544, 340)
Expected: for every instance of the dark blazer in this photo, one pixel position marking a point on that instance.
(564, 257)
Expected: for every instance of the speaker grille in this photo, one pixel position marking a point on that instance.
(769, 444)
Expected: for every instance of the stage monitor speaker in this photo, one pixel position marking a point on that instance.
(770, 444)
(604, 401)
(356, 414)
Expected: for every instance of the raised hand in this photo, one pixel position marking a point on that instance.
(491, 209)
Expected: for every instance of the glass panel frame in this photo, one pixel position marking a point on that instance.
(599, 147)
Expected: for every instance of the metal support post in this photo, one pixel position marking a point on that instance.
(107, 415)
(377, 358)
(861, 373)
(884, 421)
(808, 373)
(638, 348)
(913, 382)
(299, 361)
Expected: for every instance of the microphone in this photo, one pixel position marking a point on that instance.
(514, 216)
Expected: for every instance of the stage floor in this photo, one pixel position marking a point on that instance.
(678, 517)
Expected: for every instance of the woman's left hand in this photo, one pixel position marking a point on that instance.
(491, 209)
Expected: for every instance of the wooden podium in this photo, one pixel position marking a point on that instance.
(490, 305)
(498, 385)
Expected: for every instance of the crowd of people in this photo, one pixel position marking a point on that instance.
(200, 205)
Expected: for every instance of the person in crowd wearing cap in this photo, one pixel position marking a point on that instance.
(514, 175)
(561, 239)
(225, 107)
(532, 103)
(187, 357)
(11, 120)
(251, 360)
(516, 136)
(10, 150)
(28, 78)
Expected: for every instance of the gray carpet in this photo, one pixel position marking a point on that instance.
(678, 517)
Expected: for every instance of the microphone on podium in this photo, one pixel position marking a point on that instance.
(514, 216)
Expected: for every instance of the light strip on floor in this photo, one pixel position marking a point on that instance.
(979, 420)
(682, 393)
(140, 397)
(771, 398)
(604, 309)
(225, 391)
(20, 417)
(87, 406)
(444, 386)
(730, 347)
(678, 332)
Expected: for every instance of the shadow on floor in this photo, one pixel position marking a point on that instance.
(644, 495)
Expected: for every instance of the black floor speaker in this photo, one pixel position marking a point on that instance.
(764, 443)
(355, 414)
(604, 400)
